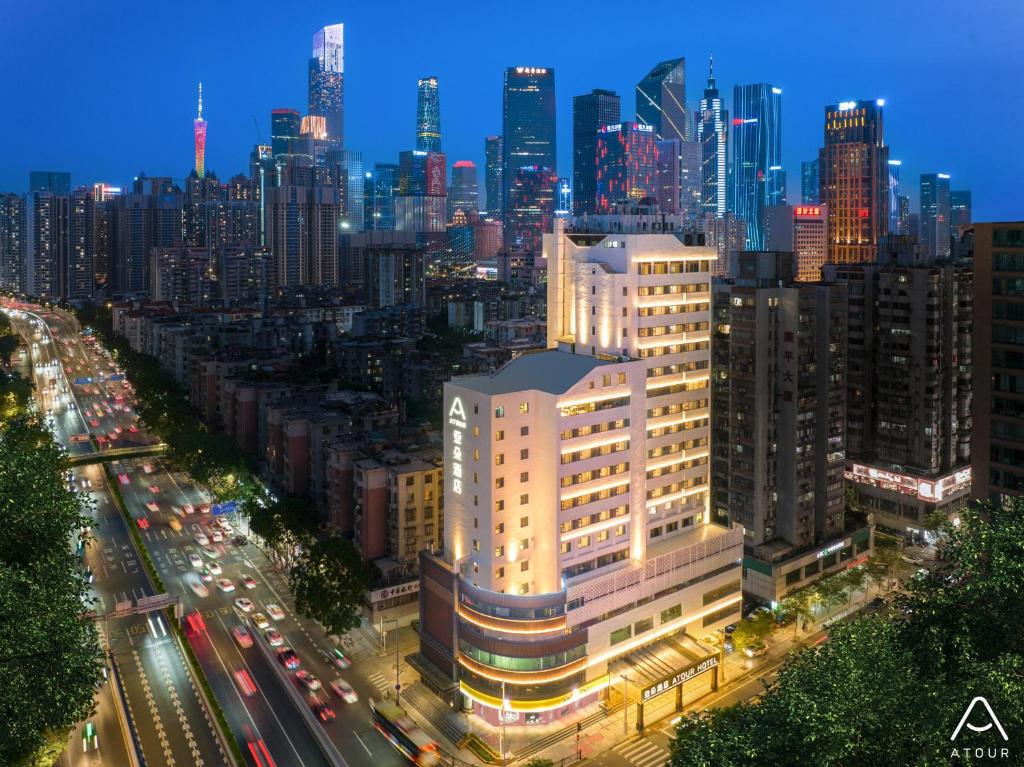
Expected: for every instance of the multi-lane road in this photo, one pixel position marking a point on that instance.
(267, 719)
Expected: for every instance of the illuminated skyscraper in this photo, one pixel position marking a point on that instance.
(428, 116)
(327, 79)
(904, 221)
(854, 180)
(809, 182)
(894, 195)
(464, 192)
(757, 178)
(959, 209)
(661, 100)
(12, 241)
(590, 112)
(935, 213)
(199, 131)
(627, 165)
(528, 117)
(713, 135)
(492, 175)
(285, 128)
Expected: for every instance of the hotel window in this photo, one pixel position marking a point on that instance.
(655, 532)
(476, 545)
(583, 541)
(499, 573)
(499, 528)
(524, 521)
(499, 551)
(524, 454)
(524, 565)
(524, 430)
(621, 635)
(524, 499)
(524, 588)
(524, 476)
(566, 547)
(602, 536)
(620, 530)
(499, 435)
(499, 483)
(524, 407)
(476, 431)
(606, 380)
(524, 544)
(476, 478)
(622, 378)
(641, 626)
(476, 409)
(671, 613)
(671, 527)
(499, 459)
(499, 505)
(499, 412)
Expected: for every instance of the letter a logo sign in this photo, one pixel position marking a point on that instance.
(456, 410)
(994, 720)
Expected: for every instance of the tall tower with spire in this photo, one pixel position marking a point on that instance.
(712, 134)
(199, 132)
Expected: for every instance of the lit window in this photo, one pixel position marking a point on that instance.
(499, 551)
(499, 412)
(499, 436)
(524, 407)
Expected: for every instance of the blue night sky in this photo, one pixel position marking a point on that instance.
(106, 89)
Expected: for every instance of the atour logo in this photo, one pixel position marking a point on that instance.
(991, 722)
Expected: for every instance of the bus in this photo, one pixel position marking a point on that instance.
(395, 725)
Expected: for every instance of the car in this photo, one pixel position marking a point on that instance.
(245, 683)
(148, 468)
(87, 575)
(259, 620)
(123, 479)
(90, 738)
(322, 709)
(94, 422)
(205, 575)
(195, 560)
(201, 539)
(760, 610)
(143, 523)
(274, 611)
(215, 567)
(286, 657)
(339, 659)
(344, 690)
(308, 680)
(174, 524)
(133, 428)
(154, 489)
(245, 604)
(113, 436)
(274, 638)
(211, 552)
(755, 650)
(242, 635)
(198, 588)
(912, 559)
(730, 628)
(189, 508)
(101, 439)
(225, 585)
(248, 581)
(152, 507)
(216, 536)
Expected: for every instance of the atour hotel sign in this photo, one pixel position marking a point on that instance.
(678, 678)
(457, 420)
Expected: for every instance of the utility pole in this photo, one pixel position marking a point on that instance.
(398, 684)
(625, 706)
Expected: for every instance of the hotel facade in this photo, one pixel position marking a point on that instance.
(579, 559)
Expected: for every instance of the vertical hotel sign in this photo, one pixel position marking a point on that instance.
(457, 422)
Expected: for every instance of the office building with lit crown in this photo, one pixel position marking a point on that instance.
(428, 115)
(579, 563)
(327, 80)
(590, 112)
(626, 165)
(757, 179)
(853, 169)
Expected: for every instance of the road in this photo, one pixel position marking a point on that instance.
(266, 722)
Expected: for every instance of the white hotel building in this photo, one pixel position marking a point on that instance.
(578, 548)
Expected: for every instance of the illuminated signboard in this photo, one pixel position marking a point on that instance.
(643, 128)
(678, 678)
(457, 420)
(845, 106)
(833, 548)
(807, 210)
(924, 489)
(411, 587)
(531, 71)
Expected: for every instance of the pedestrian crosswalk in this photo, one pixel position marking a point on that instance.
(380, 682)
(642, 753)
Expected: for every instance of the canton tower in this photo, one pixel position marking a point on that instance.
(199, 130)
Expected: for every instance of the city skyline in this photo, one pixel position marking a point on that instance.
(100, 150)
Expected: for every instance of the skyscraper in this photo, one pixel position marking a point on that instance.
(380, 214)
(464, 194)
(904, 217)
(199, 135)
(302, 234)
(809, 182)
(627, 165)
(661, 100)
(528, 121)
(590, 112)
(12, 241)
(493, 184)
(285, 128)
(894, 195)
(757, 180)
(57, 182)
(531, 207)
(327, 79)
(428, 115)
(854, 180)
(935, 214)
(712, 133)
(46, 249)
(959, 209)
(81, 267)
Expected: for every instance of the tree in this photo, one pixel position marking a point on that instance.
(800, 606)
(329, 580)
(49, 653)
(752, 632)
(890, 690)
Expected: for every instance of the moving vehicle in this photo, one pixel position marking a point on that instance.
(198, 588)
(244, 604)
(174, 524)
(344, 690)
(90, 738)
(339, 659)
(195, 560)
(211, 552)
(201, 539)
(215, 568)
(245, 683)
(259, 620)
(274, 638)
(205, 575)
(248, 581)
(286, 657)
(307, 680)
(756, 650)
(274, 611)
(912, 559)
(395, 725)
(242, 635)
(225, 585)
(321, 708)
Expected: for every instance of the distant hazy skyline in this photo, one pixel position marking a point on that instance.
(107, 90)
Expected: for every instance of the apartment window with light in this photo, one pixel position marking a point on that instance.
(499, 572)
(566, 547)
(524, 544)
(499, 435)
(524, 407)
(583, 541)
(476, 545)
(499, 412)
(499, 528)
(602, 536)
(606, 380)
(499, 483)
(476, 431)
(499, 459)
(476, 454)
(499, 505)
(499, 551)
(622, 378)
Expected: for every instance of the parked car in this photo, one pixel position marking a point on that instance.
(755, 651)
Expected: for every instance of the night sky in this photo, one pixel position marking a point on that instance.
(106, 89)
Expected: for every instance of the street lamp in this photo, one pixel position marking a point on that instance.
(384, 645)
(625, 705)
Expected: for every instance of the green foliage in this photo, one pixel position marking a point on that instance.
(890, 689)
(50, 658)
(749, 633)
(328, 582)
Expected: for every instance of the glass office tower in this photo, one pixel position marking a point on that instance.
(428, 115)
(327, 79)
(661, 101)
(757, 180)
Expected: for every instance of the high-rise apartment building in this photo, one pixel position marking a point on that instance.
(54, 182)
(302, 234)
(904, 224)
(428, 115)
(590, 112)
(493, 183)
(626, 165)
(576, 491)
(713, 136)
(935, 214)
(809, 183)
(528, 122)
(997, 437)
(803, 231)
(47, 248)
(779, 422)
(81, 268)
(728, 235)
(908, 402)
(464, 193)
(12, 241)
(327, 80)
(199, 137)
(854, 180)
(757, 178)
(959, 210)
(661, 101)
